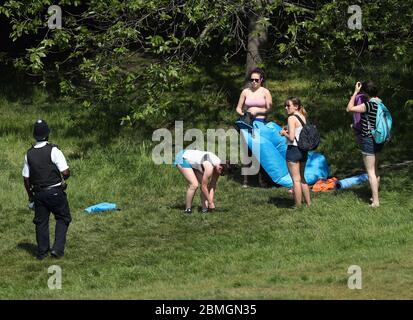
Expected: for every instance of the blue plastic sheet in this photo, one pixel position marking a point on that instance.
(100, 207)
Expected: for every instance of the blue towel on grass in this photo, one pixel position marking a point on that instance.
(104, 206)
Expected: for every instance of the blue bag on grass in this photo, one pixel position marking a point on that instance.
(104, 206)
(352, 181)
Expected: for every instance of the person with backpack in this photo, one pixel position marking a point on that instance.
(296, 157)
(376, 124)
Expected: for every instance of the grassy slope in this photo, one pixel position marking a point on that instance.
(255, 246)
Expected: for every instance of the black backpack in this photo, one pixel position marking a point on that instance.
(309, 138)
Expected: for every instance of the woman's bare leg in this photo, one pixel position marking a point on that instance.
(294, 169)
(190, 177)
(369, 163)
(377, 174)
(304, 185)
(376, 169)
(204, 201)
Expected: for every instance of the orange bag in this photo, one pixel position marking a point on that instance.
(325, 185)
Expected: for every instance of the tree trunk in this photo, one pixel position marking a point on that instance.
(257, 37)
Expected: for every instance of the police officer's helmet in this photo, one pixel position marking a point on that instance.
(41, 130)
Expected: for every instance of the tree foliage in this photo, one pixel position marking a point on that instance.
(132, 53)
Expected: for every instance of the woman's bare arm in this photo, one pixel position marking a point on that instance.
(290, 134)
(212, 188)
(350, 106)
(241, 102)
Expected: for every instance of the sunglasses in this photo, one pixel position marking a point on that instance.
(254, 80)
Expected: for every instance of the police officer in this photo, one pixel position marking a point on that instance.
(44, 173)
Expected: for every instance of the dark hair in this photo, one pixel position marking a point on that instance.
(260, 72)
(226, 168)
(369, 88)
(297, 102)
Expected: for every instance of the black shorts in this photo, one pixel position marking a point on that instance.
(295, 154)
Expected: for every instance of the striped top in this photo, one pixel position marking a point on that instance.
(371, 110)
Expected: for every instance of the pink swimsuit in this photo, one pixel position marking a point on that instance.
(258, 102)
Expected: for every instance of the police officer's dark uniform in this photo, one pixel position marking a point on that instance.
(43, 169)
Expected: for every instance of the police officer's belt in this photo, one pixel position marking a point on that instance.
(38, 189)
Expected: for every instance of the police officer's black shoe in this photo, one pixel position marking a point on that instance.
(41, 256)
(188, 211)
(56, 254)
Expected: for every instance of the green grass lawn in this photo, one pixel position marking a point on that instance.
(255, 246)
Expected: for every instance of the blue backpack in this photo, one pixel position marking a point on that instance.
(384, 121)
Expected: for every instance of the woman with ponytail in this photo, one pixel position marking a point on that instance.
(296, 158)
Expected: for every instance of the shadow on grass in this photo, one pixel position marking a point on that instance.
(91, 129)
(363, 192)
(282, 202)
(29, 247)
(179, 205)
(233, 90)
(254, 181)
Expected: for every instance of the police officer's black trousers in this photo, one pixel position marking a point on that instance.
(55, 201)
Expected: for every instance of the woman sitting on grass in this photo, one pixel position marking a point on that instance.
(200, 168)
(296, 158)
(369, 148)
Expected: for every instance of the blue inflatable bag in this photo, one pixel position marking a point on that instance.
(270, 148)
